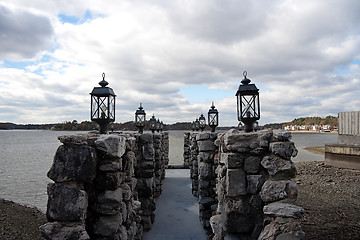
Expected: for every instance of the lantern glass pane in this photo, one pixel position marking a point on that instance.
(112, 107)
(140, 120)
(103, 107)
(213, 119)
(249, 106)
(94, 107)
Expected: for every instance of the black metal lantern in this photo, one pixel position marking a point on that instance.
(140, 117)
(248, 103)
(197, 125)
(103, 105)
(153, 123)
(213, 117)
(202, 122)
(158, 125)
(161, 126)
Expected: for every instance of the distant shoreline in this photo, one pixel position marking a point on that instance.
(308, 131)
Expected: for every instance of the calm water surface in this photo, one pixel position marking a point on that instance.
(26, 157)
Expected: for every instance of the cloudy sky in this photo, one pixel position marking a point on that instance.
(178, 56)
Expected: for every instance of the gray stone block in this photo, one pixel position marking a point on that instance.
(148, 152)
(112, 166)
(237, 141)
(107, 208)
(265, 138)
(232, 160)
(78, 139)
(215, 223)
(235, 182)
(108, 225)
(284, 149)
(202, 136)
(281, 135)
(65, 231)
(206, 171)
(108, 180)
(272, 191)
(73, 163)
(279, 209)
(109, 196)
(112, 145)
(207, 157)
(145, 138)
(279, 168)
(252, 164)
(254, 183)
(66, 203)
(206, 146)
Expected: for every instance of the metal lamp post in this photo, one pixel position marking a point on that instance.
(248, 103)
(103, 105)
(213, 117)
(161, 126)
(153, 123)
(140, 117)
(158, 125)
(197, 125)
(202, 122)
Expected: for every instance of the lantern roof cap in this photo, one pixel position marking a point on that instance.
(213, 109)
(140, 110)
(103, 91)
(245, 87)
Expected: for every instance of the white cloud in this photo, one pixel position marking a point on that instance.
(23, 34)
(300, 54)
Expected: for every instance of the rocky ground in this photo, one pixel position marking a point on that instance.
(19, 222)
(329, 195)
(331, 199)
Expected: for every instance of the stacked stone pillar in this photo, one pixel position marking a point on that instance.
(187, 151)
(165, 152)
(254, 187)
(145, 172)
(103, 187)
(206, 176)
(161, 144)
(194, 171)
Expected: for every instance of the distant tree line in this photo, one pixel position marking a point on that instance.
(187, 126)
(328, 120)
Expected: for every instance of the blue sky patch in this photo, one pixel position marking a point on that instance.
(18, 65)
(343, 70)
(74, 19)
(68, 19)
(204, 94)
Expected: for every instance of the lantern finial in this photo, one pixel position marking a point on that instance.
(245, 81)
(103, 83)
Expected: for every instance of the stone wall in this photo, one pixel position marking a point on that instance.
(206, 176)
(104, 186)
(194, 169)
(254, 192)
(187, 150)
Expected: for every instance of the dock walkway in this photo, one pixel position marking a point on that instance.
(176, 216)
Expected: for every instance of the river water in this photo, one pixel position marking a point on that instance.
(26, 157)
